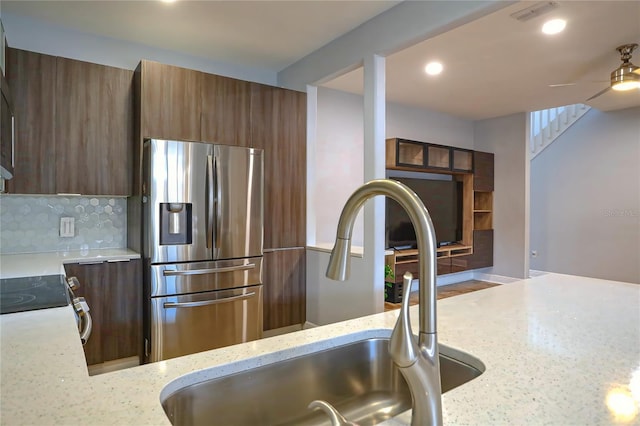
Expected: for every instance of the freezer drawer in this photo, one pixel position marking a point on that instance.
(184, 278)
(182, 325)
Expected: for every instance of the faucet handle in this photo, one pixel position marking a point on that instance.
(403, 347)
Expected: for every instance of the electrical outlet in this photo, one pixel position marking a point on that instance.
(67, 227)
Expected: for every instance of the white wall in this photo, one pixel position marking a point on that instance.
(339, 170)
(339, 155)
(506, 138)
(36, 36)
(585, 199)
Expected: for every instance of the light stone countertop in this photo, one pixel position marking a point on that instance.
(555, 348)
(51, 263)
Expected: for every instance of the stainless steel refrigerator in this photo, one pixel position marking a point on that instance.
(202, 207)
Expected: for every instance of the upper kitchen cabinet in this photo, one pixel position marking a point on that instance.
(74, 126)
(170, 104)
(226, 110)
(278, 125)
(32, 79)
(94, 128)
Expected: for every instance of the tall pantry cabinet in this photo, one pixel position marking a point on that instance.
(176, 103)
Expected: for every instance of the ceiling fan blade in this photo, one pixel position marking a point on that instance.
(602, 92)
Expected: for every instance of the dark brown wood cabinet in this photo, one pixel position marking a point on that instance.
(170, 104)
(278, 125)
(483, 171)
(284, 288)
(225, 110)
(32, 79)
(482, 256)
(113, 292)
(74, 126)
(94, 128)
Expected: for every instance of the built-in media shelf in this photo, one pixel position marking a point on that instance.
(482, 210)
(475, 170)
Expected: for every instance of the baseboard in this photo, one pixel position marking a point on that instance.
(308, 324)
(115, 365)
(282, 330)
(454, 278)
(492, 278)
(534, 273)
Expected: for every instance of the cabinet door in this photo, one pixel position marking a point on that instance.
(483, 171)
(94, 128)
(122, 295)
(91, 281)
(170, 102)
(226, 109)
(284, 288)
(32, 80)
(278, 125)
(113, 291)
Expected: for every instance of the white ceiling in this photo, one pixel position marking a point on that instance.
(497, 65)
(494, 66)
(260, 34)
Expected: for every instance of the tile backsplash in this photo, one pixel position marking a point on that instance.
(31, 224)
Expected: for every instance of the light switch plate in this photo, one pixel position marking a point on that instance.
(67, 227)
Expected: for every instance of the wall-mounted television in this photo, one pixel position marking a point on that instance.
(443, 200)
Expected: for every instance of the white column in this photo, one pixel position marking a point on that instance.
(374, 168)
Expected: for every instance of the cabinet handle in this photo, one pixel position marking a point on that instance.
(170, 272)
(13, 140)
(91, 262)
(207, 302)
(118, 260)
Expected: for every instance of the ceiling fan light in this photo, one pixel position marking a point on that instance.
(624, 78)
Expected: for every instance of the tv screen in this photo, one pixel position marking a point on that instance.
(443, 200)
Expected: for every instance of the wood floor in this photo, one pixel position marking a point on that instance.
(447, 291)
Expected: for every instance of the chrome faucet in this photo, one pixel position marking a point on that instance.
(418, 361)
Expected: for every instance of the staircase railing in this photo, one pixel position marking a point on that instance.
(548, 124)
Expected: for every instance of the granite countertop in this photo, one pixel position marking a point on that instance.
(51, 263)
(556, 348)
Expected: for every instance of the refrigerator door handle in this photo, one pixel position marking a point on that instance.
(209, 201)
(207, 302)
(171, 272)
(218, 210)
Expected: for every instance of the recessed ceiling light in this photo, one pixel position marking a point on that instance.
(433, 68)
(554, 26)
(168, 1)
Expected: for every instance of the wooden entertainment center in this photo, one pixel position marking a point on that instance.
(475, 170)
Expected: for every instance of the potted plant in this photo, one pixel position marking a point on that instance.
(389, 278)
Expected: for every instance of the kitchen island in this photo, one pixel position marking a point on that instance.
(558, 349)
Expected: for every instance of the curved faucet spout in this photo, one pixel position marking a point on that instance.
(418, 362)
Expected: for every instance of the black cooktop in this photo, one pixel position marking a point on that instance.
(29, 293)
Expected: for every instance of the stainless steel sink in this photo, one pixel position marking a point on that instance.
(359, 379)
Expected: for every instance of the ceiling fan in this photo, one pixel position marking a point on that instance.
(625, 77)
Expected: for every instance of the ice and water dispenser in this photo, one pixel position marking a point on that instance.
(175, 223)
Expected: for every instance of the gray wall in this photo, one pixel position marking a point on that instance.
(339, 149)
(42, 37)
(585, 199)
(506, 138)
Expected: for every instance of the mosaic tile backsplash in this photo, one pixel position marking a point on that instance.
(31, 224)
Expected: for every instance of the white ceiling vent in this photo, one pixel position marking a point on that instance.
(534, 10)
